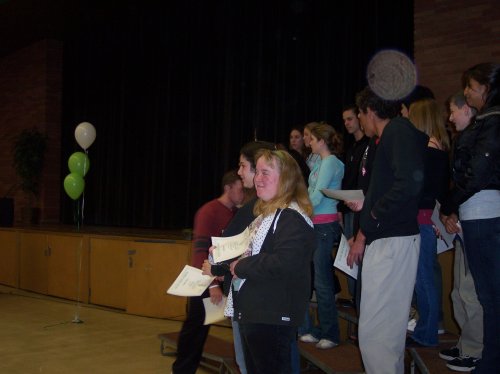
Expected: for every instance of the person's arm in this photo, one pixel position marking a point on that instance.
(357, 249)
(216, 270)
(203, 227)
(330, 169)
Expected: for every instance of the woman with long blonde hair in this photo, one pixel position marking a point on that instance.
(427, 116)
(275, 276)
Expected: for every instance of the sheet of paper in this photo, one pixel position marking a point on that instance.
(214, 312)
(231, 246)
(190, 282)
(445, 242)
(345, 195)
(341, 259)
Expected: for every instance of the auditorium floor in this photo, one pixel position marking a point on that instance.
(38, 336)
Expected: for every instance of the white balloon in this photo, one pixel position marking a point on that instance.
(85, 134)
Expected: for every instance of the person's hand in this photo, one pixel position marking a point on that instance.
(211, 249)
(232, 266)
(451, 224)
(357, 249)
(355, 205)
(206, 268)
(215, 295)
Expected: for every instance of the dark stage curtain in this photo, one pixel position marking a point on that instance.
(175, 88)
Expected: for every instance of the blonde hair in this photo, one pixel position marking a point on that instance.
(291, 184)
(427, 116)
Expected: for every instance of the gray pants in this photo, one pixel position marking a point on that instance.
(466, 307)
(389, 272)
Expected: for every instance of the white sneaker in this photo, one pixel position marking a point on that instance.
(326, 344)
(308, 338)
(411, 324)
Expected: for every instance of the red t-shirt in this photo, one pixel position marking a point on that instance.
(210, 220)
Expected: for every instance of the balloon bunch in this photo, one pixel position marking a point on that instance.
(79, 162)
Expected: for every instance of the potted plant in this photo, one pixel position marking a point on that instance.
(29, 153)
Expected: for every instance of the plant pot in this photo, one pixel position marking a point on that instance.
(6, 212)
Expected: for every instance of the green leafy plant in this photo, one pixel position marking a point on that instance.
(29, 154)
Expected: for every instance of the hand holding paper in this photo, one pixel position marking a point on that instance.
(445, 240)
(190, 282)
(213, 312)
(206, 268)
(231, 246)
(341, 259)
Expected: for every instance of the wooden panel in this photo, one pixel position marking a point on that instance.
(68, 267)
(152, 269)
(108, 272)
(33, 262)
(9, 258)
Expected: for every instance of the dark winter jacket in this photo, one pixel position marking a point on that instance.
(391, 204)
(277, 280)
(476, 160)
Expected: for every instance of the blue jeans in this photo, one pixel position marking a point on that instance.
(482, 247)
(295, 357)
(267, 347)
(426, 330)
(438, 280)
(307, 325)
(327, 234)
(238, 348)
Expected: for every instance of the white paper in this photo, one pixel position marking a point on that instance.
(444, 242)
(214, 312)
(190, 282)
(341, 259)
(345, 195)
(231, 246)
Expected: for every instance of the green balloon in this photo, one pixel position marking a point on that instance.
(74, 185)
(79, 163)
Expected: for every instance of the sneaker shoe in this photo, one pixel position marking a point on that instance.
(326, 344)
(308, 338)
(450, 354)
(411, 324)
(463, 363)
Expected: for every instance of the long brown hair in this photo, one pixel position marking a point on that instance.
(291, 184)
(427, 116)
(331, 137)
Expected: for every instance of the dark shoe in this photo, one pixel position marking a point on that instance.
(450, 354)
(410, 343)
(464, 363)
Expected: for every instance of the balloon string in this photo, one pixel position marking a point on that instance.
(83, 194)
(83, 205)
(76, 214)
